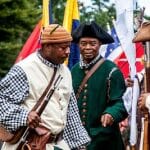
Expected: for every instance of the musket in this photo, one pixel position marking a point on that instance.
(14, 137)
(143, 35)
(23, 141)
(146, 90)
(142, 134)
(140, 20)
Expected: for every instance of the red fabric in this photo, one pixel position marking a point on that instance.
(124, 65)
(31, 44)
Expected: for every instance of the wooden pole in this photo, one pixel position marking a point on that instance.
(147, 89)
(133, 147)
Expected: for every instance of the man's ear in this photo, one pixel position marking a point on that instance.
(100, 43)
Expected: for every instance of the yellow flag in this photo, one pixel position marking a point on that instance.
(70, 22)
(45, 18)
(71, 13)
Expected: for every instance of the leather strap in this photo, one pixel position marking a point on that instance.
(45, 92)
(55, 137)
(88, 75)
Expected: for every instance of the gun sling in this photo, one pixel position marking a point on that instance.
(88, 75)
(14, 137)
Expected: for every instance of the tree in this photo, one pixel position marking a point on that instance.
(58, 7)
(17, 19)
(99, 12)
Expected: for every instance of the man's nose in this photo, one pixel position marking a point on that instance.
(67, 51)
(88, 46)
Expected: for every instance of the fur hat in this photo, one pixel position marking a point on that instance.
(92, 30)
(55, 33)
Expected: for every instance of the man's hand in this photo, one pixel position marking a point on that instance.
(107, 120)
(129, 82)
(142, 101)
(33, 119)
(123, 125)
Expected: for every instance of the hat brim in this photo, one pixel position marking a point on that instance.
(92, 30)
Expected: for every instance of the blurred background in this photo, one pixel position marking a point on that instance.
(18, 19)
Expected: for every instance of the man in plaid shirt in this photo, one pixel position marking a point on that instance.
(21, 88)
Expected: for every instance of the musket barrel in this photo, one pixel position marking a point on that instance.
(147, 51)
(147, 89)
(23, 143)
(147, 66)
(143, 35)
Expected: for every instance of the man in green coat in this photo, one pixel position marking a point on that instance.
(100, 101)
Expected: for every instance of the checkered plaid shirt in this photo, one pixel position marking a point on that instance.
(14, 89)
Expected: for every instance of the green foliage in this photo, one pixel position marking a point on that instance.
(147, 18)
(99, 12)
(17, 20)
(58, 10)
(7, 56)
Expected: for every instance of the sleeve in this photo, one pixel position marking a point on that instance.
(147, 103)
(14, 89)
(74, 133)
(115, 105)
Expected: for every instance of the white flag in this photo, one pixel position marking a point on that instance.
(125, 31)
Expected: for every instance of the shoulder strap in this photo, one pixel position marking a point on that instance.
(108, 83)
(88, 75)
(46, 90)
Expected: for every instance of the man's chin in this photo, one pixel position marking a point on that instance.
(64, 61)
(89, 58)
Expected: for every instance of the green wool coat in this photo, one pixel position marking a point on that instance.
(93, 102)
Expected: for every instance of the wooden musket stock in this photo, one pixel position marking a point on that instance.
(146, 89)
(23, 141)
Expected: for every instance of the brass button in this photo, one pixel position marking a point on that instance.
(86, 85)
(84, 110)
(83, 116)
(84, 97)
(85, 91)
(83, 122)
(84, 104)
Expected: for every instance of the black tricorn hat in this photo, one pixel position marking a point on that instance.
(91, 30)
